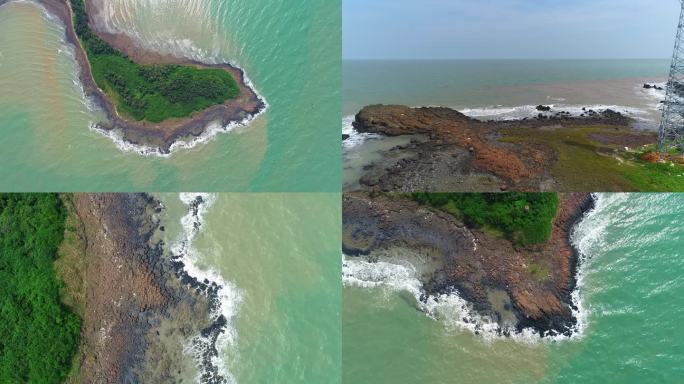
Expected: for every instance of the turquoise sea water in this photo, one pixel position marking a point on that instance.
(277, 256)
(630, 293)
(289, 49)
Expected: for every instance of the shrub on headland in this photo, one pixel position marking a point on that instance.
(524, 218)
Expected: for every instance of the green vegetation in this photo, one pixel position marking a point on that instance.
(524, 218)
(658, 177)
(150, 92)
(584, 164)
(538, 271)
(70, 264)
(38, 334)
(71, 268)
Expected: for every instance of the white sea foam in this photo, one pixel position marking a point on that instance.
(654, 97)
(229, 295)
(451, 309)
(175, 29)
(457, 314)
(355, 138)
(40, 6)
(530, 111)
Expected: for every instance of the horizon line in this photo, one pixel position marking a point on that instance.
(506, 58)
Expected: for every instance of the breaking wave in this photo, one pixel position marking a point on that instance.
(224, 297)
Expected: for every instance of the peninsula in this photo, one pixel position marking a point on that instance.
(508, 255)
(151, 100)
(449, 151)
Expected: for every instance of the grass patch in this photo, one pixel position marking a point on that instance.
(493, 231)
(39, 335)
(655, 177)
(71, 261)
(71, 268)
(586, 165)
(538, 271)
(151, 92)
(524, 218)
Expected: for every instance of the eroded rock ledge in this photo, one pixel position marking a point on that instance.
(492, 274)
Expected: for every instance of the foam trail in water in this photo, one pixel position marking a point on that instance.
(451, 309)
(588, 239)
(225, 298)
(166, 26)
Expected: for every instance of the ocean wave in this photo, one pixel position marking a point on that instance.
(530, 111)
(653, 96)
(227, 298)
(66, 50)
(355, 138)
(131, 17)
(450, 309)
(402, 277)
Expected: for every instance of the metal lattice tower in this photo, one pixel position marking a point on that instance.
(671, 134)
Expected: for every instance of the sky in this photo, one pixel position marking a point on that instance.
(509, 29)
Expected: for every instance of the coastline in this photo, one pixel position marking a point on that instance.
(572, 214)
(126, 292)
(149, 138)
(450, 151)
(222, 298)
(438, 266)
(143, 307)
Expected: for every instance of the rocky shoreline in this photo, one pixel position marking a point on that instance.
(456, 153)
(206, 342)
(517, 287)
(145, 137)
(125, 291)
(141, 307)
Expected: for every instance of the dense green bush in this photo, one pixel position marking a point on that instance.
(525, 218)
(38, 334)
(151, 92)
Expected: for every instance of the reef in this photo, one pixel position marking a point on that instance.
(519, 287)
(142, 310)
(555, 151)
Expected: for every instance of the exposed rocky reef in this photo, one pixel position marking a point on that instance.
(140, 311)
(453, 152)
(519, 287)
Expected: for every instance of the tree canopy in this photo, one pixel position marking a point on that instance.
(524, 218)
(151, 92)
(38, 334)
